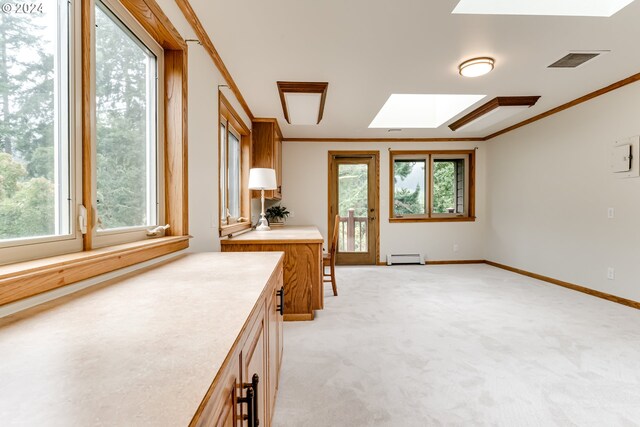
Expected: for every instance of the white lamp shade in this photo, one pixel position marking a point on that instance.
(262, 179)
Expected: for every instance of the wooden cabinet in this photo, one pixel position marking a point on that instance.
(253, 364)
(254, 369)
(302, 247)
(267, 152)
(275, 328)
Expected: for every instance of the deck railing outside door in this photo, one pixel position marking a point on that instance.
(353, 233)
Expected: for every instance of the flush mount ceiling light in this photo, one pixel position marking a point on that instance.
(303, 102)
(404, 111)
(476, 67)
(494, 111)
(602, 8)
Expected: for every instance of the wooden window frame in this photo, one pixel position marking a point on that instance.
(228, 115)
(430, 216)
(25, 279)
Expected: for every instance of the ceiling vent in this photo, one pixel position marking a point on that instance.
(574, 60)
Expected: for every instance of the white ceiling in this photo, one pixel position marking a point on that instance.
(369, 49)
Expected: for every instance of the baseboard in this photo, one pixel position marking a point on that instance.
(456, 261)
(592, 292)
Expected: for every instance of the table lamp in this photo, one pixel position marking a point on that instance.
(262, 179)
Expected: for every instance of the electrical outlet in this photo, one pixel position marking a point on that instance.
(455, 247)
(611, 213)
(292, 214)
(611, 273)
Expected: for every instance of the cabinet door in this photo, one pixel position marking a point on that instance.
(254, 358)
(228, 414)
(274, 319)
(279, 329)
(222, 408)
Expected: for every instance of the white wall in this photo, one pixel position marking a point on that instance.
(549, 190)
(204, 79)
(305, 187)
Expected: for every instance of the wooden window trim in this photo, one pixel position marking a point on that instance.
(470, 217)
(25, 279)
(230, 115)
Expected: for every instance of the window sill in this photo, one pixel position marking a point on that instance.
(227, 230)
(436, 219)
(25, 279)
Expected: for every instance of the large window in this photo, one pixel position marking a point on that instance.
(233, 170)
(37, 151)
(82, 126)
(432, 186)
(127, 139)
(92, 153)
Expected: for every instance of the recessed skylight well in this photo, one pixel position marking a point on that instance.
(421, 110)
(602, 8)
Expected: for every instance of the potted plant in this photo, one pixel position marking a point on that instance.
(276, 215)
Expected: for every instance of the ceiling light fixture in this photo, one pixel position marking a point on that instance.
(303, 102)
(476, 67)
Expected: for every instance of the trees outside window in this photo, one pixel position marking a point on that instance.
(34, 141)
(432, 185)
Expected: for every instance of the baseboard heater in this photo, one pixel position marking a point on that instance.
(405, 259)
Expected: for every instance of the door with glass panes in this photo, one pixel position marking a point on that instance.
(353, 195)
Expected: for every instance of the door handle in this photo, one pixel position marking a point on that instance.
(372, 218)
(280, 307)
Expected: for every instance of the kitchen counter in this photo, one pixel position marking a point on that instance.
(299, 234)
(142, 350)
(302, 247)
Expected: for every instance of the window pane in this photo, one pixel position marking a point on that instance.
(448, 186)
(234, 176)
(125, 126)
(409, 194)
(353, 202)
(34, 122)
(223, 174)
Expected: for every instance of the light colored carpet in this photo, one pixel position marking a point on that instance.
(467, 345)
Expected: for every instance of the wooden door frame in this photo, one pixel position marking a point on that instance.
(376, 201)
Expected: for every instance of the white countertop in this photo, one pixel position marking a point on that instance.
(142, 351)
(284, 234)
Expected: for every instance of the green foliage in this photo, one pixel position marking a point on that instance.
(405, 201)
(353, 189)
(277, 212)
(26, 206)
(120, 126)
(444, 191)
(26, 129)
(11, 173)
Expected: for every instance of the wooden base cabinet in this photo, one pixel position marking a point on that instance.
(244, 392)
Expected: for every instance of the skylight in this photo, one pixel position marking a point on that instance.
(603, 8)
(421, 111)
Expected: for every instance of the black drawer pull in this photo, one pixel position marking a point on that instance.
(249, 400)
(254, 382)
(280, 307)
